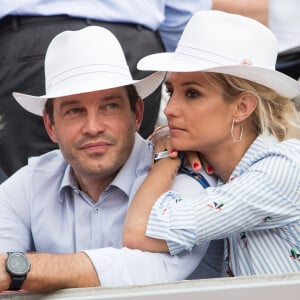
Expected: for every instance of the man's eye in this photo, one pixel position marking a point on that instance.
(73, 111)
(111, 108)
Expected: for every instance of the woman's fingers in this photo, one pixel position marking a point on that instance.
(161, 140)
(193, 160)
(197, 161)
(159, 132)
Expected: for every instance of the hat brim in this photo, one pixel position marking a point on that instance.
(144, 87)
(175, 62)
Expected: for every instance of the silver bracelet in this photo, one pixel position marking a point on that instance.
(160, 155)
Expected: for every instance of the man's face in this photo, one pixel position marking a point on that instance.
(95, 131)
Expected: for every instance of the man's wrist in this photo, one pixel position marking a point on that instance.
(4, 276)
(17, 265)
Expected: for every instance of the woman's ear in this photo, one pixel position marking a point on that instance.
(49, 126)
(245, 105)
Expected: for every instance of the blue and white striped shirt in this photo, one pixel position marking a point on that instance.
(258, 210)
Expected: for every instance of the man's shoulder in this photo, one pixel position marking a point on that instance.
(49, 162)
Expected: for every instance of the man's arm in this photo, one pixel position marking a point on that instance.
(115, 267)
(125, 267)
(54, 271)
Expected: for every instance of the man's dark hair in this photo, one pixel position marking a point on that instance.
(131, 92)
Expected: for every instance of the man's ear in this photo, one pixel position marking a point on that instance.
(49, 126)
(244, 107)
(139, 112)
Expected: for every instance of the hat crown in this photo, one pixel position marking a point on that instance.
(85, 60)
(219, 42)
(228, 39)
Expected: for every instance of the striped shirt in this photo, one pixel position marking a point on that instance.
(258, 210)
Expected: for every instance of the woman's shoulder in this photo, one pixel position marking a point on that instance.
(290, 147)
(269, 146)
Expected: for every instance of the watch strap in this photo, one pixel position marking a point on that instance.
(16, 282)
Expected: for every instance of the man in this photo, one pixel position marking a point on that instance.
(28, 26)
(76, 198)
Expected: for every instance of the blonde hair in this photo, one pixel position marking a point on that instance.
(274, 114)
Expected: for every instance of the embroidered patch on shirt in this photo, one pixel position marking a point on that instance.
(244, 238)
(168, 199)
(267, 219)
(216, 205)
(295, 254)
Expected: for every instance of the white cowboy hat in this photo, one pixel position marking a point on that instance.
(215, 41)
(82, 61)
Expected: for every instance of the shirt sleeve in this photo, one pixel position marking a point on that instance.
(177, 14)
(117, 267)
(14, 213)
(260, 198)
(123, 267)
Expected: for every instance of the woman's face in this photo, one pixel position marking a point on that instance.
(198, 116)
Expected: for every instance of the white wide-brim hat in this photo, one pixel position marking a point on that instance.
(215, 41)
(86, 60)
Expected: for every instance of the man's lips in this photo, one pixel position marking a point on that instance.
(96, 145)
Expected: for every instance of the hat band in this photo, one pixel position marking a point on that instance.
(85, 70)
(205, 55)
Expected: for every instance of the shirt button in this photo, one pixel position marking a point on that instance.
(97, 209)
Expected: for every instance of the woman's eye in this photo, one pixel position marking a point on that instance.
(169, 92)
(192, 93)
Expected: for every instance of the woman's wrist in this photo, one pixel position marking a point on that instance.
(163, 158)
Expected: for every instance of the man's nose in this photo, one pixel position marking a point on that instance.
(93, 124)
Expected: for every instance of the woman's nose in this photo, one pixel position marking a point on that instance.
(172, 107)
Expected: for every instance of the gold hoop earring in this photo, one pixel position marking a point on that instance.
(234, 138)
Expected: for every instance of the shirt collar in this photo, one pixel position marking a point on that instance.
(260, 144)
(137, 164)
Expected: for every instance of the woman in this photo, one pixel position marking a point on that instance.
(228, 103)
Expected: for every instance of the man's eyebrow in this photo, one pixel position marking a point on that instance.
(62, 104)
(113, 96)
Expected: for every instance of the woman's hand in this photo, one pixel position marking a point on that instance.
(161, 140)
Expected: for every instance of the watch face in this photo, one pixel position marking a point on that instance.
(17, 264)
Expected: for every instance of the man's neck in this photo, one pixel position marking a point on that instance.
(93, 186)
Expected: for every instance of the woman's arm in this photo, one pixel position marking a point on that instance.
(158, 181)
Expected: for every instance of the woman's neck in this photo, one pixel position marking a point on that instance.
(225, 158)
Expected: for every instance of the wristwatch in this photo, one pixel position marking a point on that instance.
(17, 265)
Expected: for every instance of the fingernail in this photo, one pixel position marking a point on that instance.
(172, 151)
(196, 165)
(209, 170)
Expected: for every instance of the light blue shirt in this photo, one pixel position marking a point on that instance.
(167, 16)
(42, 209)
(258, 209)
